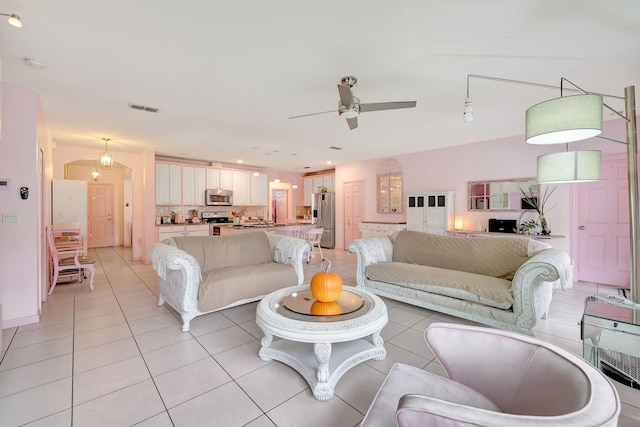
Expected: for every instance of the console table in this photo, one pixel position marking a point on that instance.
(611, 340)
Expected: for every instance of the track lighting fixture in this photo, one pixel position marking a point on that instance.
(13, 19)
(467, 116)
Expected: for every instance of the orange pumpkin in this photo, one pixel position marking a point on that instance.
(319, 308)
(326, 286)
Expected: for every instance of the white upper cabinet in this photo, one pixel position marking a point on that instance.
(308, 191)
(168, 184)
(213, 178)
(311, 184)
(226, 179)
(193, 185)
(241, 188)
(259, 189)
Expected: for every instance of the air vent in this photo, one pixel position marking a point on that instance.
(333, 147)
(143, 108)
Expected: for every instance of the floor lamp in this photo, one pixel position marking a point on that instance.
(574, 118)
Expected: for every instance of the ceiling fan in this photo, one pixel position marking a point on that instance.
(350, 107)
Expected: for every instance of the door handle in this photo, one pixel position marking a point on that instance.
(582, 227)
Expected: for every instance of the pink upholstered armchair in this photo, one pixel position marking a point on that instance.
(496, 378)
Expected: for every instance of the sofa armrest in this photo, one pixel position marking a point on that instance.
(290, 251)
(179, 274)
(371, 250)
(548, 265)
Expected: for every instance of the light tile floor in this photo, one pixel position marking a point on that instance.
(112, 357)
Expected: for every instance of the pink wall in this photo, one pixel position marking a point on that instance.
(451, 169)
(22, 265)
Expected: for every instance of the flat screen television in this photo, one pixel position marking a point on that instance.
(525, 204)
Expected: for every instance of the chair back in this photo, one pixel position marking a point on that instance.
(521, 374)
(315, 235)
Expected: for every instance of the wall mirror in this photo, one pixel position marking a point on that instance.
(503, 195)
(389, 187)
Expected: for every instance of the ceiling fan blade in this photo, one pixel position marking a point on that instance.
(353, 123)
(346, 96)
(313, 114)
(377, 106)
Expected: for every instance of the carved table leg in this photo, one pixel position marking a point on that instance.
(378, 342)
(323, 354)
(266, 342)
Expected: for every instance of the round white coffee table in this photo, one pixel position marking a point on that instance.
(321, 348)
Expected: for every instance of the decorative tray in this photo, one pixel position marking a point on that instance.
(303, 302)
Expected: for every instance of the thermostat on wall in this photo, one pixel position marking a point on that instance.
(5, 184)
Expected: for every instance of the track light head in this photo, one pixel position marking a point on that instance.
(467, 116)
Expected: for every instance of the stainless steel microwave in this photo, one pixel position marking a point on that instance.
(218, 197)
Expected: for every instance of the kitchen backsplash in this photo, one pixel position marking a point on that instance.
(258, 211)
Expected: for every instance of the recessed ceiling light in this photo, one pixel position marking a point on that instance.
(276, 180)
(329, 162)
(239, 160)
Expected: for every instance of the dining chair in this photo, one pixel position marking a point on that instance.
(314, 236)
(68, 256)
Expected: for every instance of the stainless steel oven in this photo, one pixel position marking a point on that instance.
(218, 197)
(216, 220)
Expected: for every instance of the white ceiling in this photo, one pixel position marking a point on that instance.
(225, 75)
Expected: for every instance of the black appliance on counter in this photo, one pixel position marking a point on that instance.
(503, 225)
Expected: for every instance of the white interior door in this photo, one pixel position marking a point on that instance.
(353, 211)
(603, 245)
(100, 220)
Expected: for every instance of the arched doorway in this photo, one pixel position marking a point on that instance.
(109, 202)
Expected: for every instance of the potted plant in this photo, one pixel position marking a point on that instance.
(538, 203)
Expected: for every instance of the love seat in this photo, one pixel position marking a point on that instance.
(201, 274)
(506, 282)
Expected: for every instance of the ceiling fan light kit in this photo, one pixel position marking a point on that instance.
(349, 106)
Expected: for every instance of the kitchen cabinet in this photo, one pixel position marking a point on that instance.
(431, 212)
(311, 184)
(193, 185)
(166, 231)
(374, 229)
(308, 191)
(241, 188)
(259, 190)
(168, 184)
(213, 178)
(226, 179)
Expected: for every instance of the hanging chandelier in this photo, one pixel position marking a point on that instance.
(106, 159)
(95, 173)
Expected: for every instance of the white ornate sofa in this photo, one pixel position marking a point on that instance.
(201, 274)
(506, 282)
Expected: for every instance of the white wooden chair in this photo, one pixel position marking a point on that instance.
(68, 258)
(314, 236)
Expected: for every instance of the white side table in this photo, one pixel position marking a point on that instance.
(321, 348)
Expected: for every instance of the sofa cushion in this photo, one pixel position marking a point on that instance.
(489, 256)
(486, 290)
(224, 286)
(236, 250)
(404, 381)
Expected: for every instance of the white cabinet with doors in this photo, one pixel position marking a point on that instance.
(259, 189)
(308, 191)
(193, 185)
(375, 229)
(311, 184)
(168, 184)
(226, 179)
(213, 178)
(431, 212)
(241, 188)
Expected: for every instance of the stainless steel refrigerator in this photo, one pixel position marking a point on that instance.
(323, 208)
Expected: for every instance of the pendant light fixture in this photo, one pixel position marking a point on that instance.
(106, 159)
(95, 173)
(13, 19)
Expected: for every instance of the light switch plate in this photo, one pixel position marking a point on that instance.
(10, 219)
